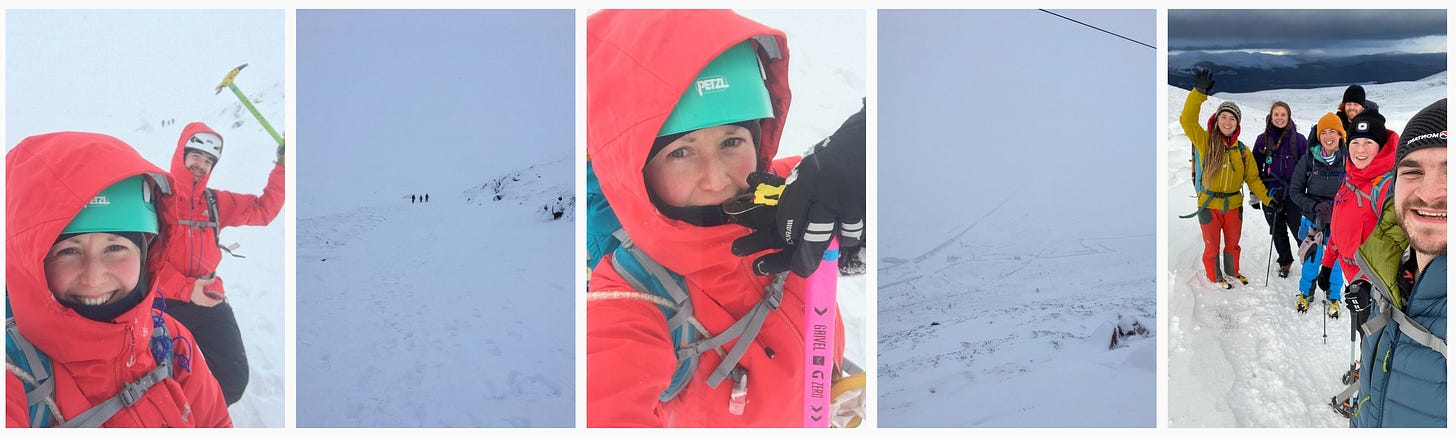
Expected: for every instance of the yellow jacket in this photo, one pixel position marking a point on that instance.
(1222, 190)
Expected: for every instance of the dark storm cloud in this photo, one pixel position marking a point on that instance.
(1299, 30)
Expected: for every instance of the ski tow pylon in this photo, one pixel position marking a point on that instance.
(227, 82)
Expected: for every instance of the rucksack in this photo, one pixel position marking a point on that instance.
(212, 222)
(33, 368)
(667, 290)
(1380, 189)
(1198, 180)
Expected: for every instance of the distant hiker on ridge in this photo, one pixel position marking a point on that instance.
(190, 251)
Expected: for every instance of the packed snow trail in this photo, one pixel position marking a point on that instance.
(453, 313)
(1244, 357)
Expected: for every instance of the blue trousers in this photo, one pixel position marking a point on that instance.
(1310, 269)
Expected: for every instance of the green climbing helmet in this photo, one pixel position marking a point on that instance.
(125, 206)
(729, 90)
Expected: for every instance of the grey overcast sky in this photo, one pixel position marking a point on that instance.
(1348, 32)
(401, 101)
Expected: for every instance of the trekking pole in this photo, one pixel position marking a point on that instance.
(1269, 262)
(1326, 318)
(227, 81)
(821, 289)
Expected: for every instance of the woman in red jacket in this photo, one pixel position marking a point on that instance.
(673, 130)
(80, 215)
(1357, 205)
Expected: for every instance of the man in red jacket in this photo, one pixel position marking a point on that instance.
(189, 253)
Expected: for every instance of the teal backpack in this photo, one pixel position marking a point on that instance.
(658, 285)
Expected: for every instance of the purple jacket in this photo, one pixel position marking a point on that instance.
(1277, 156)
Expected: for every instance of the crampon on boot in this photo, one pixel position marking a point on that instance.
(1302, 304)
(1223, 283)
(1344, 408)
(1240, 278)
(1333, 310)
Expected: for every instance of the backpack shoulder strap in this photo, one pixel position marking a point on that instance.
(32, 368)
(647, 276)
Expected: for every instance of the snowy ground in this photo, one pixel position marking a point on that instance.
(155, 93)
(1017, 224)
(1244, 357)
(452, 313)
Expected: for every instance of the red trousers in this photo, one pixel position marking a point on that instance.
(1230, 225)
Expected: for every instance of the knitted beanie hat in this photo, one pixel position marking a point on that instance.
(1369, 124)
(1354, 93)
(1426, 129)
(1330, 121)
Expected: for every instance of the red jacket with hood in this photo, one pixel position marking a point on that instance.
(48, 180)
(638, 64)
(1352, 217)
(190, 252)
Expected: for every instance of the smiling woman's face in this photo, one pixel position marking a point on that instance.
(706, 167)
(93, 269)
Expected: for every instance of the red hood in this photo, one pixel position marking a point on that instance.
(182, 177)
(49, 178)
(1384, 161)
(638, 63)
(1237, 128)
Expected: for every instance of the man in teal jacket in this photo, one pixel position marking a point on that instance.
(1403, 277)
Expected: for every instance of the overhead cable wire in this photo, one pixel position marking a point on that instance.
(1098, 28)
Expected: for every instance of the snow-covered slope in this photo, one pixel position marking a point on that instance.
(1015, 200)
(1244, 357)
(452, 313)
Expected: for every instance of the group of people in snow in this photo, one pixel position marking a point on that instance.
(119, 316)
(673, 172)
(422, 198)
(1368, 207)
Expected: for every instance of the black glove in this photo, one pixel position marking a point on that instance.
(1322, 213)
(1323, 279)
(1357, 299)
(1275, 204)
(1203, 81)
(825, 193)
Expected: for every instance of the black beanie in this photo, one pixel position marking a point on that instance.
(1368, 124)
(1426, 129)
(1354, 93)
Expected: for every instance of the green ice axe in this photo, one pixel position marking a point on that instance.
(227, 81)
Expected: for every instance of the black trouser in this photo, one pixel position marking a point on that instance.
(1287, 217)
(217, 335)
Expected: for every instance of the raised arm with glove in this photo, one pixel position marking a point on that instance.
(824, 195)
